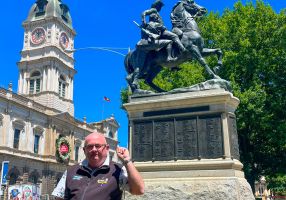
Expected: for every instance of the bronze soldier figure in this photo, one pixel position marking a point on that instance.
(156, 27)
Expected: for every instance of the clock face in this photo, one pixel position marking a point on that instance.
(38, 36)
(64, 40)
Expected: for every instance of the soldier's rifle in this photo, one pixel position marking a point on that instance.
(151, 35)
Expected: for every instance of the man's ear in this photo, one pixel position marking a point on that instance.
(107, 147)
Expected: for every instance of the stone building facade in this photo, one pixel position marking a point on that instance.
(42, 110)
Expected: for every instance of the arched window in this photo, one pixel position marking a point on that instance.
(41, 7)
(62, 86)
(16, 138)
(35, 82)
(77, 145)
(38, 132)
(65, 11)
(110, 134)
(76, 151)
(18, 129)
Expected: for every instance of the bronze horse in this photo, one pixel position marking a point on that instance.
(146, 65)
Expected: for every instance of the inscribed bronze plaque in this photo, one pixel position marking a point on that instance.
(142, 141)
(182, 138)
(186, 142)
(163, 144)
(210, 137)
(234, 149)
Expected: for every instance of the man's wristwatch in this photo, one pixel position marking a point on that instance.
(126, 161)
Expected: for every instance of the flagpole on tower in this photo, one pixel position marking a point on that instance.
(107, 100)
(102, 110)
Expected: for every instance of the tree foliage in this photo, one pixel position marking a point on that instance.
(253, 40)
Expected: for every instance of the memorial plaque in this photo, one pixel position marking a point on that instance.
(234, 149)
(182, 138)
(186, 139)
(210, 137)
(163, 144)
(142, 141)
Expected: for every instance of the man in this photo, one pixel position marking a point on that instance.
(97, 177)
(156, 26)
(152, 41)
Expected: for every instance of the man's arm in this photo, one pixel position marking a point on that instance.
(147, 12)
(135, 181)
(59, 191)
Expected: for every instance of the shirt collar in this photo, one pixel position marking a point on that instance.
(105, 164)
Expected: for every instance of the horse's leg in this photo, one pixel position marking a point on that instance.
(197, 54)
(134, 80)
(129, 79)
(151, 76)
(207, 52)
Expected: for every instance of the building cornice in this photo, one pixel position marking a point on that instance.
(47, 92)
(43, 59)
(26, 102)
(23, 101)
(49, 48)
(32, 156)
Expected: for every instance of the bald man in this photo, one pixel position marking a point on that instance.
(97, 177)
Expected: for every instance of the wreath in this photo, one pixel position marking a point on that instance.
(62, 143)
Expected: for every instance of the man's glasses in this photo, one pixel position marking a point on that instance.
(89, 147)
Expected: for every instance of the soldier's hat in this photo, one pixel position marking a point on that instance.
(157, 3)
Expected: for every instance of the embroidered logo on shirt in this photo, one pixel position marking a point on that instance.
(75, 177)
(102, 181)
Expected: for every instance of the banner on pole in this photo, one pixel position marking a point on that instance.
(4, 172)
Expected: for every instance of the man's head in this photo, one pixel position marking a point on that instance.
(154, 18)
(95, 149)
(158, 4)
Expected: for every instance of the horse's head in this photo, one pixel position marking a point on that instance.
(184, 13)
(194, 9)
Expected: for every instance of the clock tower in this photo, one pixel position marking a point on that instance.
(46, 71)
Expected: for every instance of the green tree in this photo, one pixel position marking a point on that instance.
(253, 39)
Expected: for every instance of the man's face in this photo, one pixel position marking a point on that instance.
(95, 150)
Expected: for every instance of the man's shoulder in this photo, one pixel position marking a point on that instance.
(73, 168)
(151, 10)
(116, 165)
(78, 165)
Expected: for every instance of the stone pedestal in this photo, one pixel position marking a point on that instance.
(185, 146)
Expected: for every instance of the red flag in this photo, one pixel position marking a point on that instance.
(106, 99)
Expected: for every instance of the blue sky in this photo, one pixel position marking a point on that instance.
(98, 24)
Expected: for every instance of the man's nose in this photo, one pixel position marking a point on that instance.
(94, 148)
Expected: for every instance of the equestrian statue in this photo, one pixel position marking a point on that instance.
(160, 48)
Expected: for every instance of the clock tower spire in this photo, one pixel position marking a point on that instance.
(46, 71)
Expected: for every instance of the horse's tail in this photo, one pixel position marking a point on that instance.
(128, 67)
